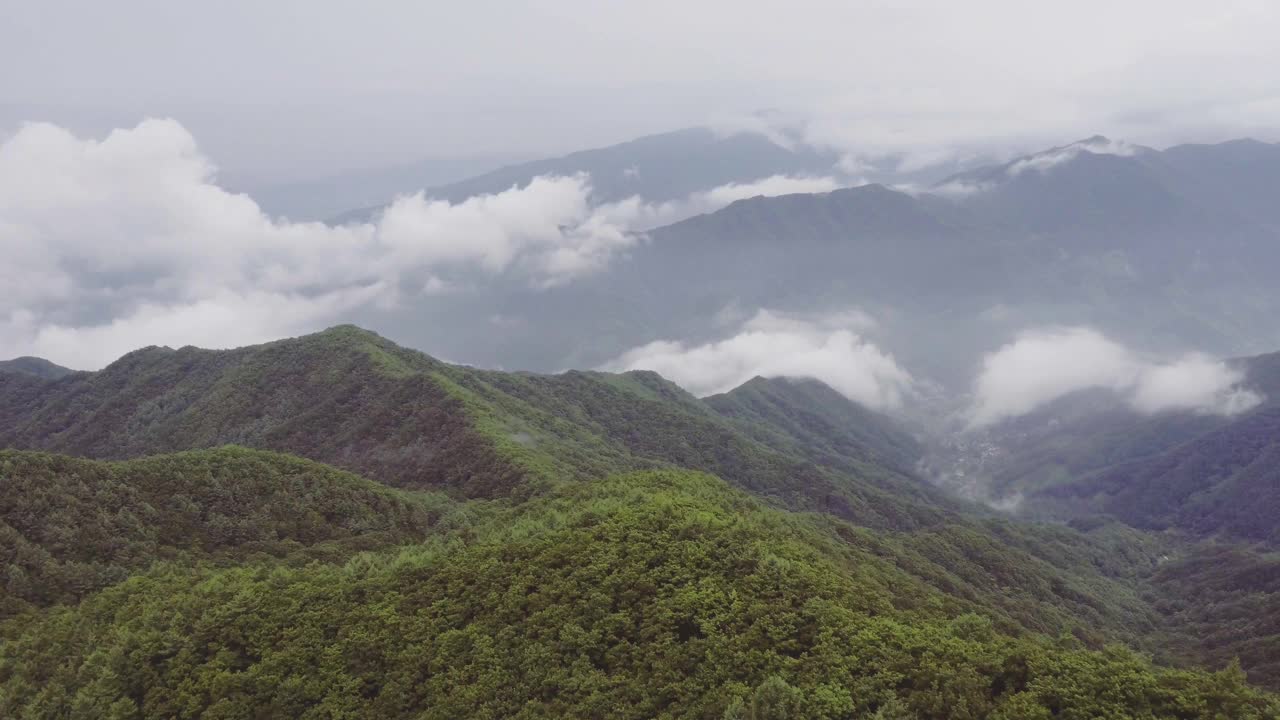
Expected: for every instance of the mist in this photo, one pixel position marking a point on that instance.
(1043, 365)
(771, 344)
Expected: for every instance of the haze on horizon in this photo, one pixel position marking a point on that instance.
(289, 91)
(140, 145)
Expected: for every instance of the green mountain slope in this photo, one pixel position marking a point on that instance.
(355, 400)
(71, 526)
(813, 419)
(661, 594)
(533, 447)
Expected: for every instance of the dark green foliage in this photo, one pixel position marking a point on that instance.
(70, 527)
(649, 595)
(1227, 600)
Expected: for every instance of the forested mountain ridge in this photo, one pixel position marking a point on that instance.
(819, 421)
(819, 570)
(353, 399)
(348, 397)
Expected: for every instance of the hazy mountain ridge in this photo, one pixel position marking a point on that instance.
(1202, 474)
(39, 367)
(658, 168)
(1141, 247)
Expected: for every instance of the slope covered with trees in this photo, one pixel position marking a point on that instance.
(810, 417)
(661, 594)
(72, 526)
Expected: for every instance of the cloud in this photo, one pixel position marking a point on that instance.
(771, 344)
(1043, 365)
(636, 212)
(129, 240)
(1044, 161)
(1196, 383)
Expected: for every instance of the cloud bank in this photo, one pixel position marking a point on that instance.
(772, 344)
(1044, 365)
(1049, 159)
(128, 240)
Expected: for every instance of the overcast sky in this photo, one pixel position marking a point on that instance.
(291, 88)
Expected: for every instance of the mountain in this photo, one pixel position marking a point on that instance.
(518, 532)
(659, 168)
(355, 400)
(1127, 240)
(38, 367)
(1226, 481)
(818, 421)
(340, 397)
(1090, 452)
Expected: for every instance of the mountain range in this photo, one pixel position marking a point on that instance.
(1166, 251)
(474, 537)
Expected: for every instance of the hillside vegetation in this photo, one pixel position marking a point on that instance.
(71, 526)
(662, 594)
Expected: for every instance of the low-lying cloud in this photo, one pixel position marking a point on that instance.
(1044, 365)
(1049, 159)
(128, 240)
(636, 212)
(771, 344)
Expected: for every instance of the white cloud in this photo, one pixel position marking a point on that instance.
(635, 212)
(1044, 365)
(771, 344)
(1194, 382)
(1044, 161)
(128, 240)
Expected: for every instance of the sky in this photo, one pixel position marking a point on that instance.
(286, 90)
(127, 127)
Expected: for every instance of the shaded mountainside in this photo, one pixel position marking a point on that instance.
(1197, 473)
(39, 367)
(72, 526)
(817, 421)
(1225, 482)
(659, 594)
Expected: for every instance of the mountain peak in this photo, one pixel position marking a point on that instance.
(37, 366)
